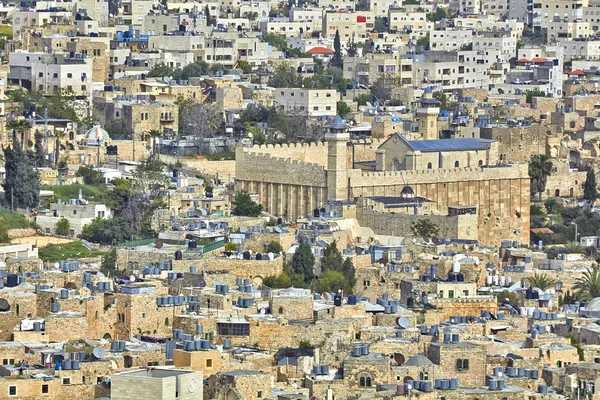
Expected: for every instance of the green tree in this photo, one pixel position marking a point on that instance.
(58, 137)
(349, 272)
(22, 183)
(438, 15)
(319, 67)
(337, 60)
(423, 42)
(590, 189)
(513, 298)
(530, 94)
(363, 99)
(160, 70)
(195, 69)
(380, 25)
(109, 262)
(282, 281)
(244, 206)
(541, 281)
(276, 40)
(230, 246)
(587, 286)
(332, 258)
(63, 227)
(540, 168)
(155, 134)
(245, 66)
(209, 20)
(332, 281)
(90, 175)
(343, 108)
(442, 98)
(351, 48)
(424, 228)
(274, 247)
(39, 155)
(18, 126)
(303, 262)
(108, 231)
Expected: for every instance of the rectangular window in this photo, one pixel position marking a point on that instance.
(55, 75)
(450, 294)
(12, 390)
(209, 363)
(66, 381)
(230, 329)
(44, 388)
(69, 75)
(259, 394)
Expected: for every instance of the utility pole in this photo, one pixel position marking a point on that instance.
(133, 140)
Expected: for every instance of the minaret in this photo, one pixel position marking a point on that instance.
(337, 137)
(428, 110)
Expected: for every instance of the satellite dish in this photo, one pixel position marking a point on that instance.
(399, 358)
(99, 353)
(4, 306)
(369, 104)
(263, 311)
(403, 322)
(158, 243)
(56, 265)
(132, 278)
(500, 374)
(345, 300)
(326, 296)
(409, 386)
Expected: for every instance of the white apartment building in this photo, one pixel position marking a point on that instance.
(400, 20)
(450, 70)
(51, 72)
(351, 25)
(449, 39)
(77, 211)
(312, 102)
(496, 46)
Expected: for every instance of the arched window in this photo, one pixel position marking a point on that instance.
(17, 309)
(480, 163)
(424, 376)
(456, 164)
(280, 310)
(396, 164)
(429, 166)
(365, 380)
(146, 115)
(142, 116)
(166, 321)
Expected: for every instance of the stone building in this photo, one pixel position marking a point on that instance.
(463, 360)
(293, 180)
(78, 212)
(239, 385)
(156, 383)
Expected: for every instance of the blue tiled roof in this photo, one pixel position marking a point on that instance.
(459, 144)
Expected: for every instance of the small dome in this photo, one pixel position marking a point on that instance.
(407, 192)
(95, 134)
(428, 89)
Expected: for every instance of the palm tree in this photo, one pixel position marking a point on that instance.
(58, 136)
(18, 125)
(541, 281)
(587, 286)
(154, 134)
(540, 168)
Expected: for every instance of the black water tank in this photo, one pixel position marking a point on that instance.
(12, 280)
(337, 300)
(178, 255)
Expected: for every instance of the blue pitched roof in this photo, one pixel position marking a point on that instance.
(459, 144)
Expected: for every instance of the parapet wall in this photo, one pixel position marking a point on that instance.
(365, 178)
(263, 167)
(315, 153)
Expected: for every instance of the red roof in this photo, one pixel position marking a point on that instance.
(539, 60)
(320, 50)
(523, 60)
(576, 72)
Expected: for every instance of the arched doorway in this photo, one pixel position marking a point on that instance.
(571, 192)
(557, 193)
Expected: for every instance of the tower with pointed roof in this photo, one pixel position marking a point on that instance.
(337, 137)
(428, 110)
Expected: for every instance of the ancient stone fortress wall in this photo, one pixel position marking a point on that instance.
(501, 194)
